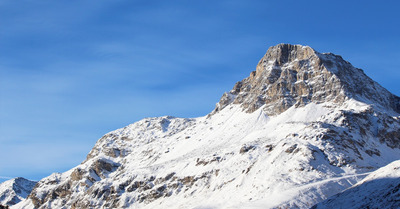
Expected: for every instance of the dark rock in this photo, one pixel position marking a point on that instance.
(269, 147)
(188, 180)
(169, 176)
(373, 152)
(135, 186)
(4, 207)
(102, 167)
(77, 174)
(291, 149)
(246, 148)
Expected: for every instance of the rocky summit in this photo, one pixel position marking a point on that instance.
(302, 128)
(294, 75)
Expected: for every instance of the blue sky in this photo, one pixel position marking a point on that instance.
(71, 71)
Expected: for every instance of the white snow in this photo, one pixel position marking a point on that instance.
(296, 172)
(379, 189)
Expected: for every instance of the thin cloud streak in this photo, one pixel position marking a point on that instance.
(5, 177)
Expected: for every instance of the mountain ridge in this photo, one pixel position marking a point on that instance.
(15, 190)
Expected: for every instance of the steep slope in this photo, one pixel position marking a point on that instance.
(15, 190)
(304, 126)
(380, 189)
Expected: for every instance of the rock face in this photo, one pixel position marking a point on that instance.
(15, 190)
(294, 75)
(303, 127)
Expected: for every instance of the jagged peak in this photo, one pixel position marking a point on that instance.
(290, 75)
(284, 53)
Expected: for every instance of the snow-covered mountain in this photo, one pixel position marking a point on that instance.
(301, 128)
(380, 189)
(15, 190)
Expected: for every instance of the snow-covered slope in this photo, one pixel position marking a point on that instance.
(303, 127)
(380, 189)
(15, 190)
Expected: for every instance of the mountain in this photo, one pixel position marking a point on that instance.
(380, 189)
(15, 190)
(302, 127)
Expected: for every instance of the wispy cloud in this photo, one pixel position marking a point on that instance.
(5, 177)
